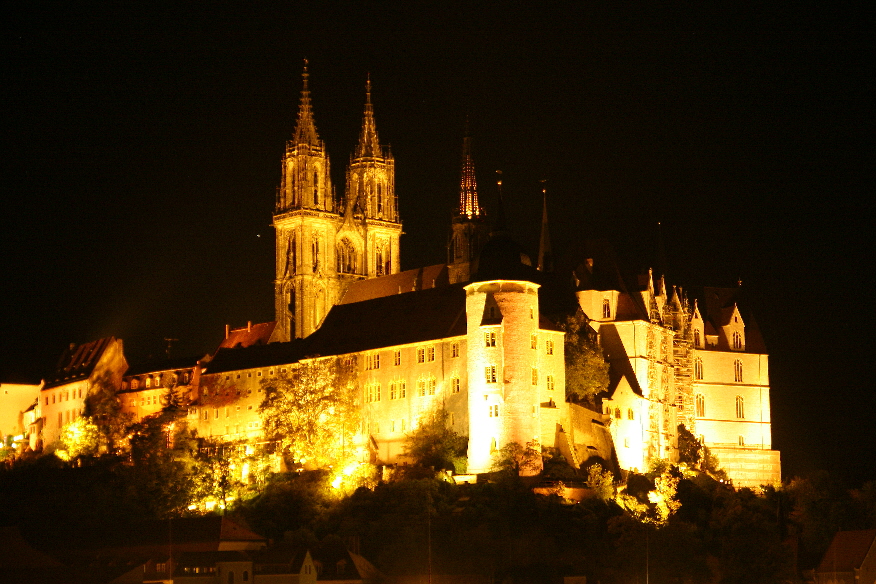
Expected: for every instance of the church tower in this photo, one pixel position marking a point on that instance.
(368, 240)
(469, 226)
(306, 220)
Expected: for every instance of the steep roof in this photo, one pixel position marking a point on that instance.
(412, 317)
(252, 334)
(400, 283)
(78, 362)
(257, 356)
(847, 551)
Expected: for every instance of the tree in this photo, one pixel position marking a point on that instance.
(104, 410)
(433, 443)
(586, 367)
(311, 413)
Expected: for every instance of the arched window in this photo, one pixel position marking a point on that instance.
(737, 341)
(697, 339)
(347, 263)
(698, 368)
(314, 248)
(379, 198)
(737, 371)
(606, 308)
(701, 405)
(378, 260)
(315, 188)
(740, 407)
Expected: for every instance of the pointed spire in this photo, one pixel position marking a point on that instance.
(468, 187)
(305, 129)
(369, 145)
(545, 255)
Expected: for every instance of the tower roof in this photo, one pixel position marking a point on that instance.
(369, 145)
(305, 128)
(468, 185)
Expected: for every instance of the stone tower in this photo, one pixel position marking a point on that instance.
(323, 246)
(469, 228)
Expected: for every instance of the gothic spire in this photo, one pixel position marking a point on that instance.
(468, 187)
(305, 129)
(369, 146)
(545, 255)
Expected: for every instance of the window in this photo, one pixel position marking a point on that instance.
(533, 341)
(396, 357)
(393, 390)
(630, 414)
(372, 392)
(430, 353)
(697, 338)
(347, 257)
(403, 426)
(216, 413)
(617, 413)
(737, 341)
(698, 368)
(421, 387)
(701, 405)
(421, 355)
(314, 250)
(454, 385)
(737, 371)
(740, 407)
(372, 361)
(606, 308)
(454, 349)
(493, 410)
(531, 314)
(534, 376)
(379, 260)
(490, 371)
(315, 188)
(550, 382)
(742, 441)
(431, 385)
(489, 338)
(549, 347)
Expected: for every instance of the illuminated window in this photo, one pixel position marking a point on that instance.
(534, 376)
(737, 341)
(701, 405)
(630, 414)
(533, 341)
(550, 382)
(430, 353)
(740, 407)
(454, 385)
(606, 308)
(372, 361)
(148, 382)
(737, 371)
(549, 347)
(421, 355)
(396, 357)
(379, 260)
(698, 368)
(454, 349)
(489, 338)
(490, 371)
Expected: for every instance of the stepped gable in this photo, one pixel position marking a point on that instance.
(77, 362)
(400, 283)
(256, 356)
(400, 319)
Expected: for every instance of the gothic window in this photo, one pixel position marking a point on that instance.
(606, 308)
(550, 382)
(737, 341)
(737, 371)
(315, 188)
(490, 371)
(314, 248)
(379, 260)
(698, 368)
(346, 257)
(740, 407)
(701, 405)
(379, 199)
(489, 338)
(697, 338)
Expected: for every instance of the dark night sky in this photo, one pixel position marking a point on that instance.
(143, 146)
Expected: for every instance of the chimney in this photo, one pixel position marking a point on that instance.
(249, 326)
(227, 331)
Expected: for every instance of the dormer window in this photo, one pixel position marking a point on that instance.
(606, 308)
(737, 341)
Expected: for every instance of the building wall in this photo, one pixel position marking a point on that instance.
(15, 398)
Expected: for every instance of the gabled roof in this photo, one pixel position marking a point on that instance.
(847, 551)
(717, 309)
(400, 283)
(413, 317)
(78, 362)
(252, 334)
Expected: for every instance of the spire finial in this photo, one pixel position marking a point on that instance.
(545, 255)
(368, 145)
(305, 128)
(468, 185)
(500, 210)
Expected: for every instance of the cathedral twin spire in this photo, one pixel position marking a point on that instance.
(305, 129)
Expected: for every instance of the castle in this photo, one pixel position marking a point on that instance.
(473, 336)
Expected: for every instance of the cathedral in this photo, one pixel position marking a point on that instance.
(476, 337)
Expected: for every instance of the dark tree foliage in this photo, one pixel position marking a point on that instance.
(586, 367)
(433, 443)
(104, 409)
